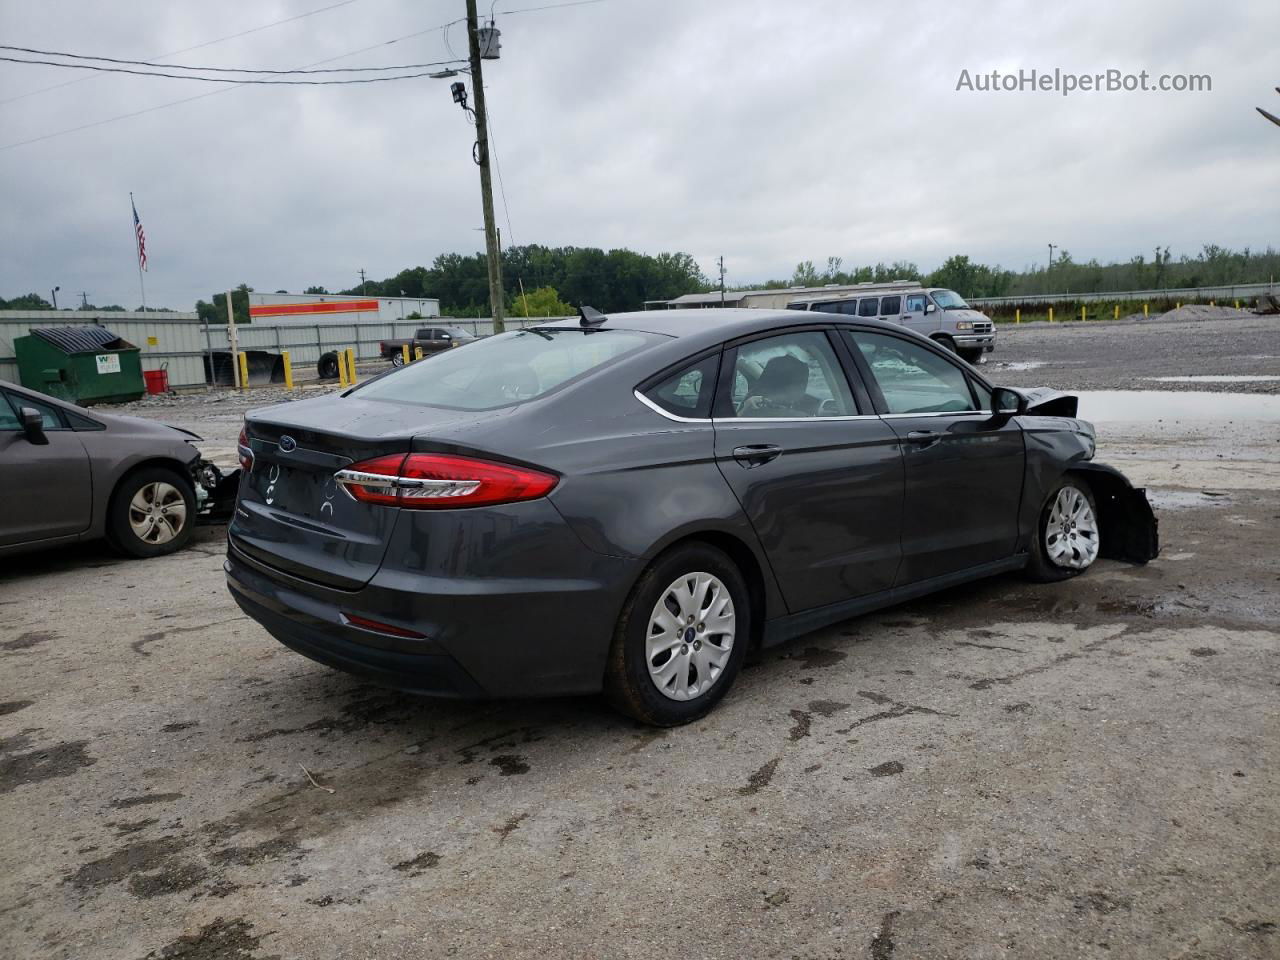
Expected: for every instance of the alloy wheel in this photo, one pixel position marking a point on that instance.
(1071, 531)
(691, 634)
(157, 512)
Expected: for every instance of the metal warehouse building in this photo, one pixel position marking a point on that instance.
(296, 308)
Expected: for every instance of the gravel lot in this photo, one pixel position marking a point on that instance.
(1004, 770)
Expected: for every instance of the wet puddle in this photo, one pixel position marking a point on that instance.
(1218, 378)
(1104, 406)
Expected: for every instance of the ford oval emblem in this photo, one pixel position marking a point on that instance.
(287, 444)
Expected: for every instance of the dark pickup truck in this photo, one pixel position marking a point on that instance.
(430, 339)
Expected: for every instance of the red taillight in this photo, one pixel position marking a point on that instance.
(244, 451)
(431, 481)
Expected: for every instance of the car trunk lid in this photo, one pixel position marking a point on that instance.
(292, 514)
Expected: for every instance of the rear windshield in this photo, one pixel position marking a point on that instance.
(507, 369)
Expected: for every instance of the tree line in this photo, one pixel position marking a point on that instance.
(550, 281)
(1213, 266)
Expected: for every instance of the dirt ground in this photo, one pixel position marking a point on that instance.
(1004, 770)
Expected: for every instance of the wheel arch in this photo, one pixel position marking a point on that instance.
(760, 589)
(148, 463)
(1127, 525)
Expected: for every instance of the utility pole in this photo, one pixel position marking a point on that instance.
(84, 300)
(496, 297)
(721, 262)
(363, 289)
(1047, 288)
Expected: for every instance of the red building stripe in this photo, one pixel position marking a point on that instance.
(327, 306)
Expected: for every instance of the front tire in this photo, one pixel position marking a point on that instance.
(681, 638)
(1067, 537)
(152, 513)
(971, 357)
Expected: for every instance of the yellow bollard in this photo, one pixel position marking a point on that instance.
(1144, 310)
(1017, 315)
(1179, 306)
(342, 369)
(1051, 314)
(1082, 315)
(1237, 304)
(351, 366)
(1212, 304)
(417, 353)
(1117, 316)
(404, 353)
(244, 372)
(288, 369)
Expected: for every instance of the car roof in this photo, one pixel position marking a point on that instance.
(711, 326)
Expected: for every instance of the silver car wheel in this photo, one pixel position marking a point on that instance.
(397, 359)
(691, 634)
(157, 512)
(1071, 532)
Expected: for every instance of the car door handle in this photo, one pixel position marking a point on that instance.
(755, 454)
(923, 438)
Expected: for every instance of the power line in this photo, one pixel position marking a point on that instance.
(201, 96)
(237, 82)
(180, 66)
(198, 46)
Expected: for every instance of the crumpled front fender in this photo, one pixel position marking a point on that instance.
(1128, 526)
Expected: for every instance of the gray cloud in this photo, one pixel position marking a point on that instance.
(770, 132)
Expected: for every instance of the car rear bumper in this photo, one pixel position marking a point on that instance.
(532, 632)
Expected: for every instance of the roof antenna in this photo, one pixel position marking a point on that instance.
(590, 316)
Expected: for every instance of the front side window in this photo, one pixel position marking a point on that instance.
(8, 416)
(915, 303)
(687, 393)
(912, 378)
(789, 376)
(49, 417)
(506, 369)
(869, 307)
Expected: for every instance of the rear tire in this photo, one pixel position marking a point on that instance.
(151, 513)
(1067, 541)
(397, 359)
(681, 638)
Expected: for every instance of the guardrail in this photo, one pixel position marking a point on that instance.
(1222, 294)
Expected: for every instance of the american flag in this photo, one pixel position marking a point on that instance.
(142, 237)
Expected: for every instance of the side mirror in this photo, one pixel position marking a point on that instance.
(930, 307)
(33, 426)
(1007, 403)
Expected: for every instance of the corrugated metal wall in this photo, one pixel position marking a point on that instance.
(174, 341)
(179, 342)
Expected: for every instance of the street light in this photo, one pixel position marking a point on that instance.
(55, 297)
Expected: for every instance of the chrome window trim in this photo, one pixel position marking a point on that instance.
(678, 419)
(939, 413)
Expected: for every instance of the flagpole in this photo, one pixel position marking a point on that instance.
(137, 251)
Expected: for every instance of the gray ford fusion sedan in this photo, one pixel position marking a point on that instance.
(633, 503)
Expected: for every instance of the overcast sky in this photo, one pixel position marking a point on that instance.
(769, 132)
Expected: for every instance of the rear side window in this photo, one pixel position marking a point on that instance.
(791, 376)
(506, 369)
(869, 307)
(831, 306)
(687, 393)
(890, 306)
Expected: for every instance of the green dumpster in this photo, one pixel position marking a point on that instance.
(85, 365)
